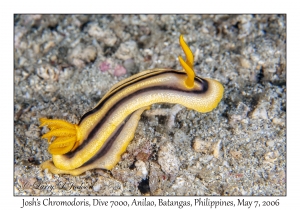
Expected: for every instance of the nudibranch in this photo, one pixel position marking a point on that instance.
(103, 133)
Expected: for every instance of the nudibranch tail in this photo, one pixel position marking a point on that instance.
(65, 135)
(188, 64)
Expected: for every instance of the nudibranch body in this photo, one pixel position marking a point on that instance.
(103, 133)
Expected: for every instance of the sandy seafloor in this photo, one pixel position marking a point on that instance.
(64, 64)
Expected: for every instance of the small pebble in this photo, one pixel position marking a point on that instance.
(105, 36)
(96, 187)
(270, 143)
(141, 169)
(260, 113)
(278, 121)
(236, 154)
(119, 71)
(245, 63)
(127, 50)
(104, 66)
(216, 149)
(129, 64)
(206, 159)
(201, 146)
(168, 160)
